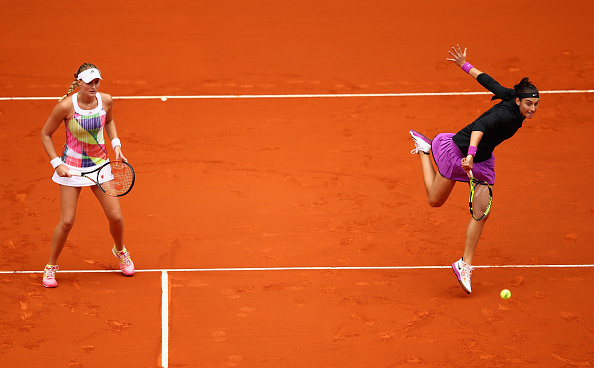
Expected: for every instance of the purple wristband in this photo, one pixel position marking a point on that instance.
(472, 150)
(466, 67)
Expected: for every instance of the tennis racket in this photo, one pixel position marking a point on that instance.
(481, 197)
(115, 178)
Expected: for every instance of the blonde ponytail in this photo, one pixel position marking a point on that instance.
(70, 90)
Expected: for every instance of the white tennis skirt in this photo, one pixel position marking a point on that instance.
(74, 181)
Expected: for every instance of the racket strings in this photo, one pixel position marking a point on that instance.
(116, 178)
(481, 199)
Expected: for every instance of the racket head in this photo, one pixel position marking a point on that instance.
(116, 178)
(481, 198)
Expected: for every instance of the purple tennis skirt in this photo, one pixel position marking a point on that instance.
(448, 158)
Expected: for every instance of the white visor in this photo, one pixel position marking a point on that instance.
(88, 75)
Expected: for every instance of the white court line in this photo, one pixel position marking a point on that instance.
(165, 284)
(328, 95)
(164, 272)
(329, 268)
(164, 319)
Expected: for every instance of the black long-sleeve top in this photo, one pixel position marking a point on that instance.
(498, 123)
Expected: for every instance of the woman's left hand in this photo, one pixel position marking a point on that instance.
(459, 57)
(119, 156)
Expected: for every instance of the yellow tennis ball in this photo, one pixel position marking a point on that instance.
(505, 294)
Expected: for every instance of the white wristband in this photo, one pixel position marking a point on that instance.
(56, 162)
(116, 142)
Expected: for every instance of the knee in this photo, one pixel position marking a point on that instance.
(434, 203)
(116, 219)
(66, 224)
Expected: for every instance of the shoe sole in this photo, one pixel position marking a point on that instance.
(421, 136)
(459, 278)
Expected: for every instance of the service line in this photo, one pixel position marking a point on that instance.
(322, 95)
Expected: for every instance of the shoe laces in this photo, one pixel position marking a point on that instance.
(50, 273)
(124, 258)
(416, 149)
(466, 270)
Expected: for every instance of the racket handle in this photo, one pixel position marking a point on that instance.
(75, 173)
(469, 173)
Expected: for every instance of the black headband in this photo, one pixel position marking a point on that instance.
(528, 95)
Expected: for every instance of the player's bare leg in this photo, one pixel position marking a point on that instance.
(473, 234)
(113, 212)
(437, 187)
(68, 201)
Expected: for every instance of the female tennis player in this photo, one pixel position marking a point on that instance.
(472, 149)
(85, 114)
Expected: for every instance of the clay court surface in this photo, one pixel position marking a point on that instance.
(276, 222)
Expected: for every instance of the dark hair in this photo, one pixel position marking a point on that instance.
(525, 86)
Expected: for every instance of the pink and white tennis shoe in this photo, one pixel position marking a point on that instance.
(422, 143)
(126, 264)
(463, 272)
(49, 276)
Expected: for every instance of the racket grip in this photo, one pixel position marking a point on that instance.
(75, 173)
(469, 173)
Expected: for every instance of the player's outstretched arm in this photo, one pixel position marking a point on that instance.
(459, 57)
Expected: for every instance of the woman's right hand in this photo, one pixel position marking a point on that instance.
(63, 171)
(467, 163)
(459, 57)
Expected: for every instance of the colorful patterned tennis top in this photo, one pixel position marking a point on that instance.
(85, 144)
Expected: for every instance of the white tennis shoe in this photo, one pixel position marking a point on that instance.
(463, 272)
(422, 143)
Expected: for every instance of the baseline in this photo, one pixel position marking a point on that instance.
(323, 268)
